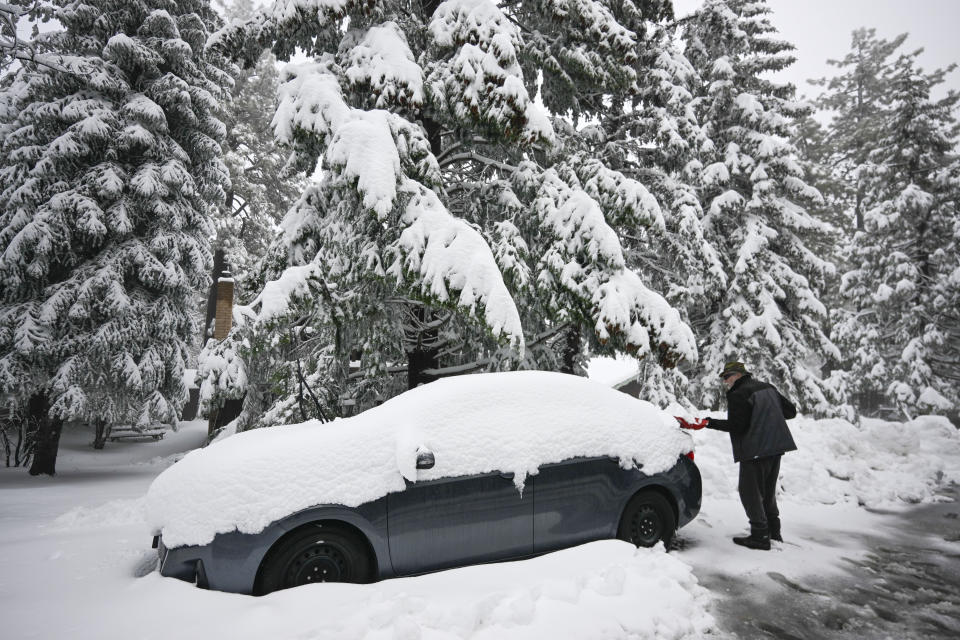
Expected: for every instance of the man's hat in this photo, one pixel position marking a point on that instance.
(733, 367)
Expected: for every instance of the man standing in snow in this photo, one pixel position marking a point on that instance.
(757, 417)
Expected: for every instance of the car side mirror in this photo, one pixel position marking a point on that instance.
(425, 459)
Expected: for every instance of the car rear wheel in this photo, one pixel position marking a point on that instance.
(648, 519)
(314, 554)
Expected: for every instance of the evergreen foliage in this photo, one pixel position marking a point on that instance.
(900, 286)
(656, 138)
(757, 208)
(261, 188)
(448, 197)
(450, 187)
(858, 97)
(110, 173)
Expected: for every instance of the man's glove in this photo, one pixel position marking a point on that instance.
(695, 424)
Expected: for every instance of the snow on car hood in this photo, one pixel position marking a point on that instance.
(508, 422)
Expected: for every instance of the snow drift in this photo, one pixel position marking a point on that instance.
(877, 464)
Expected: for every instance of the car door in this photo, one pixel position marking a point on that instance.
(579, 500)
(444, 523)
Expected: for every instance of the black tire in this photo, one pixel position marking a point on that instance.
(647, 520)
(318, 553)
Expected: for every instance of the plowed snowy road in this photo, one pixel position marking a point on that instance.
(907, 585)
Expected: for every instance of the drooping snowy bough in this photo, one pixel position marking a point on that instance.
(385, 161)
(458, 230)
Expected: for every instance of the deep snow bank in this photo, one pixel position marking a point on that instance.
(875, 464)
(511, 422)
(603, 590)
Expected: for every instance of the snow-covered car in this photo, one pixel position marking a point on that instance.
(460, 471)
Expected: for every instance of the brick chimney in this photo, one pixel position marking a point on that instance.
(220, 316)
(224, 314)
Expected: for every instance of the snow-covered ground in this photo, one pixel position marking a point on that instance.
(76, 561)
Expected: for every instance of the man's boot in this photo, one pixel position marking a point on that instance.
(775, 530)
(758, 539)
(775, 533)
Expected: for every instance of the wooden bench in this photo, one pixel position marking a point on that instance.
(121, 433)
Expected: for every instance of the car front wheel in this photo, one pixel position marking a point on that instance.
(647, 520)
(314, 554)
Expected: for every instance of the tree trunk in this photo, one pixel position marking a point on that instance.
(6, 443)
(47, 438)
(422, 356)
(571, 349)
(422, 352)
(418, 361)
(25, 444)
(219, 265)
(100, 436)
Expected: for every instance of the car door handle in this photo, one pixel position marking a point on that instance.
(508, 475)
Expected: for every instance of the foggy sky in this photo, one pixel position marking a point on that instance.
(820, 29)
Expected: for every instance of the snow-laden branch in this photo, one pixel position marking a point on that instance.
(386, 161)
(584, 256)
(477, 157)
(248, 39)
(277, 295)
(448, 253)
(475, 79)
(382, 65)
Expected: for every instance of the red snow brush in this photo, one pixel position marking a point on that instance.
(695, 424)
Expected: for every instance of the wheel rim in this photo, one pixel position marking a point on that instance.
(317, 563)
(646, 527)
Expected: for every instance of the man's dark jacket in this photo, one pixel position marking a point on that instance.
(757, 417)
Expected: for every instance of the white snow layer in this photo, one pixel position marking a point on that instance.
(441, 251)
(612, 371)
(930, 397)
(512, 422)
(482, 80)
(603, 590)
(383, 61)
(85, 560)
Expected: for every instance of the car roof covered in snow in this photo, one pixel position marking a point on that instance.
(511, 422)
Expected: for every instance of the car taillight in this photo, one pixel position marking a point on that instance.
(690, 455)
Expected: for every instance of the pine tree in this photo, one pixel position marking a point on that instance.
(945, 298)
(261, 188)
(657, 140)
(857, 97)
(109, 178)
(448, 197)
(837, 156)
(901, 284)
(757, 209)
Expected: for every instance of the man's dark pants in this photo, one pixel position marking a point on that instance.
(758, 493)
